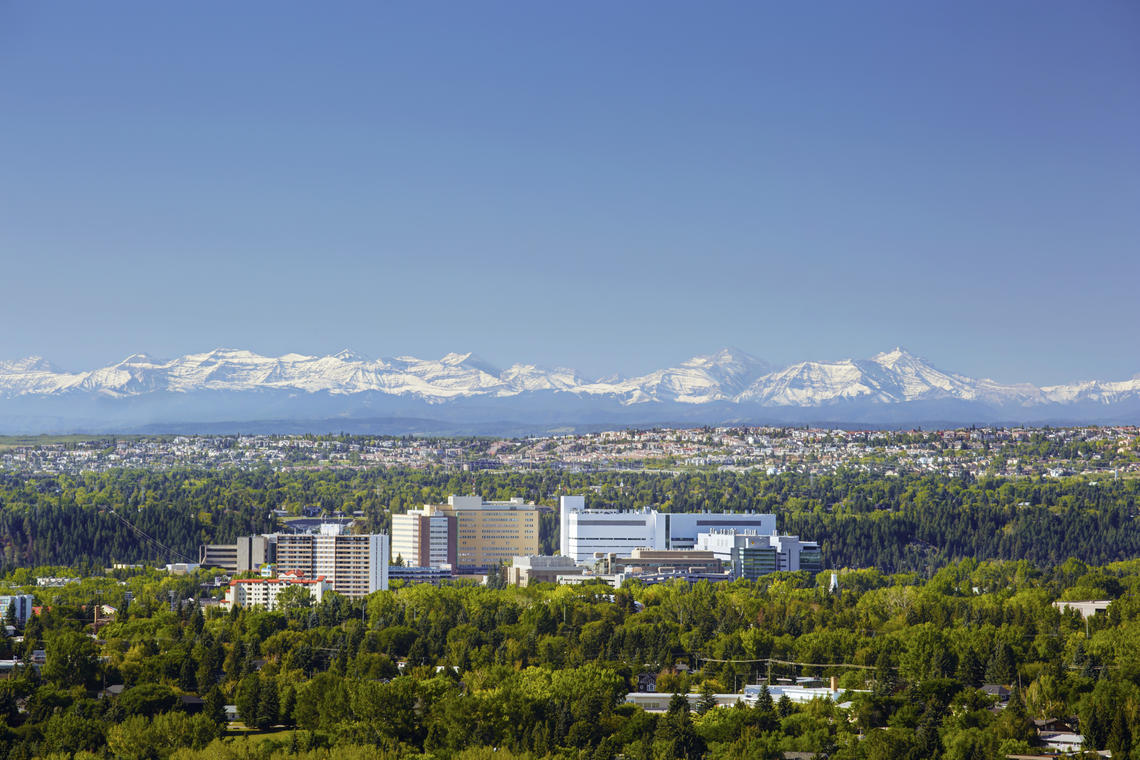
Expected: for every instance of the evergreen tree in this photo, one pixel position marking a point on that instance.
(707, 700)
(288, 702)
(971, 670)
(248, 698)
(268, 704)
(765, 711)
(1001, 667)
(188, 675)
(214, 706)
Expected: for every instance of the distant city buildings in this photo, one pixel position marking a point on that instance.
(1101, 450)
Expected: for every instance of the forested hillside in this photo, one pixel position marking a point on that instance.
(469, 672)
(895, 523)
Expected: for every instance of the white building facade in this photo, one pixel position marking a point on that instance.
(353, 565)
(586, 531)
(753, 554)
(263, 592)
(18, 606)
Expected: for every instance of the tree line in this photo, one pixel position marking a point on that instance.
(897, 523)
(468, 672)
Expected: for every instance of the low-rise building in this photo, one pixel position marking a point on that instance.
(658, 702)
(540, 569)
(223, 556)
(408, 575)
(754, 554)
(263, 592)
(1086, 609)
(247, 553)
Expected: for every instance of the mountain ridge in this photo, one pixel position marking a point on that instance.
(726, 384)
(894, 376)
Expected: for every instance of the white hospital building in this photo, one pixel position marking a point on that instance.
(582, 532)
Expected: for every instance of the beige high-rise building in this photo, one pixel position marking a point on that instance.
(490, 532)
(425, 538)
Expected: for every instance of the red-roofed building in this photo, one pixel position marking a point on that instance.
(250, 592)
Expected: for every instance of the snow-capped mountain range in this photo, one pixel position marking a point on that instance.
(728, 379)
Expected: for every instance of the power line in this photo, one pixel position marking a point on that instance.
(774, 661)
(146, 537)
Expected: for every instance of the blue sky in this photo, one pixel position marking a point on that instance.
(610, 186)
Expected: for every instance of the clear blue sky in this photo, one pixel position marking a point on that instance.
(613, 186)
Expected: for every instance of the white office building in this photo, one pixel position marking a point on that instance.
(753, 553)
(586, 531)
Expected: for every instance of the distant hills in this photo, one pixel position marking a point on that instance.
(235, 390)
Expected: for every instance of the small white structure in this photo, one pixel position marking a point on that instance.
(658, 702)
(263, 592)
(799, 694)
(1062, 741)
(1087, 609)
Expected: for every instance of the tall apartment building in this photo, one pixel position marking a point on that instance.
(353, 565)
(425, 538)
(583, 532)
(467, 533)
(18, 606)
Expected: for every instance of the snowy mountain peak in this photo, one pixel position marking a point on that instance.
(33, 363)
(348, 355)
(727, 356)
(232, 354)
(140, 358)
(470, 360)
(727, 376)
(895, 356)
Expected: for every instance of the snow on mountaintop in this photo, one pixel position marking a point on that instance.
(345, 355)
(727, 376)
(28, 364)
(890, 358)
